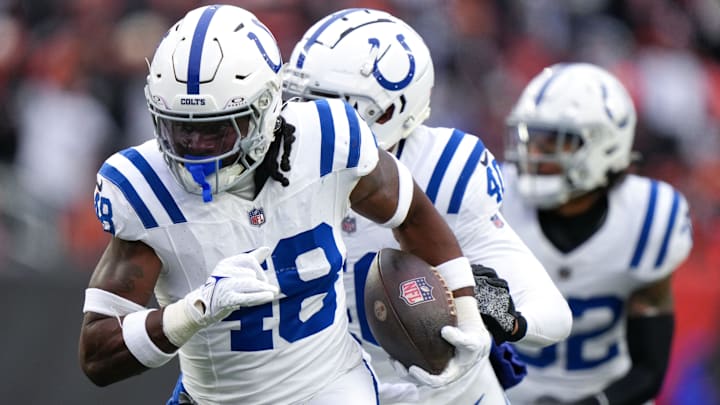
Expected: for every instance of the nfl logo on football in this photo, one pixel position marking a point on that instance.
(257, 216)
(416, 291)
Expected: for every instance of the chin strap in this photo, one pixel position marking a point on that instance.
(199, 172)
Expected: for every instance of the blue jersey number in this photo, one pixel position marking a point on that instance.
(574, 350)
(294, 324)
(495, 184)
(103, 211)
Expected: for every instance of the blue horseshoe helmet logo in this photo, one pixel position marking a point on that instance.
(620, 122)
(275, 67)
(385, 83)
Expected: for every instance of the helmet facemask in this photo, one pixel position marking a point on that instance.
(212, 153)
(544, 157)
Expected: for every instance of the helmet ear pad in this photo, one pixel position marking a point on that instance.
(372, 60)
(581, 99)
(218, 64)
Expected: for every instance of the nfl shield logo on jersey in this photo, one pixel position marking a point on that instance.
(416, 291)
(497, 221)
(349, 225)
(257, 216)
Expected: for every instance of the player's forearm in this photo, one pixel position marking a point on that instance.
(104, 357)
(103, 352)
(649, 343)
(425, 233)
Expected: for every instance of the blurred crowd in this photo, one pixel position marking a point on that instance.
(72, 75)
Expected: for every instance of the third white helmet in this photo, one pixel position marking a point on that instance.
(577, 118)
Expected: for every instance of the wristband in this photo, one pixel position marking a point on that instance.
(139, 343)
(178, 327)
(457, 273)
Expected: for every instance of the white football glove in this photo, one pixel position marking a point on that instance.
(471, 340)
(237, 281)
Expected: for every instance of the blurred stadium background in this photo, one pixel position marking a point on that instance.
(71, 80)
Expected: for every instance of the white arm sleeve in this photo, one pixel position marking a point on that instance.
(493, 243)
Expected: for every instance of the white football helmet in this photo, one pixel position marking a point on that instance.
(579, 121)
(214, 94)
(371, 59)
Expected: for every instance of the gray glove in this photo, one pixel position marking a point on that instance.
(496, 306)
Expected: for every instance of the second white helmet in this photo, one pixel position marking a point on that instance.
(371, 59)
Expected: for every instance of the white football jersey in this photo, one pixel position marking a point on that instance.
(645, 236)
(284, 351)
(462, 178)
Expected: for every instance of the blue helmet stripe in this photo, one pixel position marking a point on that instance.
(117, 178)
(327, 131)
(354, 144)
(313, 38)
(555, 73)
(668, 231)
(465, 176)
(442, 164)
(156, 185)
(196, 49)
(649, 216)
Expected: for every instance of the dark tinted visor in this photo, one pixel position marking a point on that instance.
(202, 138)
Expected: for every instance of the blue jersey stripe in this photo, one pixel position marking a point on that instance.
(354, 152)
(465, 176)
(156, 185)
(132, 196)
(375, 382)
(649, 215)
(668, 231)
(360, 273)
(196, 49)
(442, 164)
(327, 131)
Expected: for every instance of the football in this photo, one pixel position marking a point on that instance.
(407, 303)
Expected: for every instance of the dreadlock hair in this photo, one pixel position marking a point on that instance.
(269, 168)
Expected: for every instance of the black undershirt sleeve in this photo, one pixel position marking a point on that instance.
(649, 340)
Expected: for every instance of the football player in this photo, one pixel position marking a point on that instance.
(232, 216)
(383, 68)
(609, 239)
